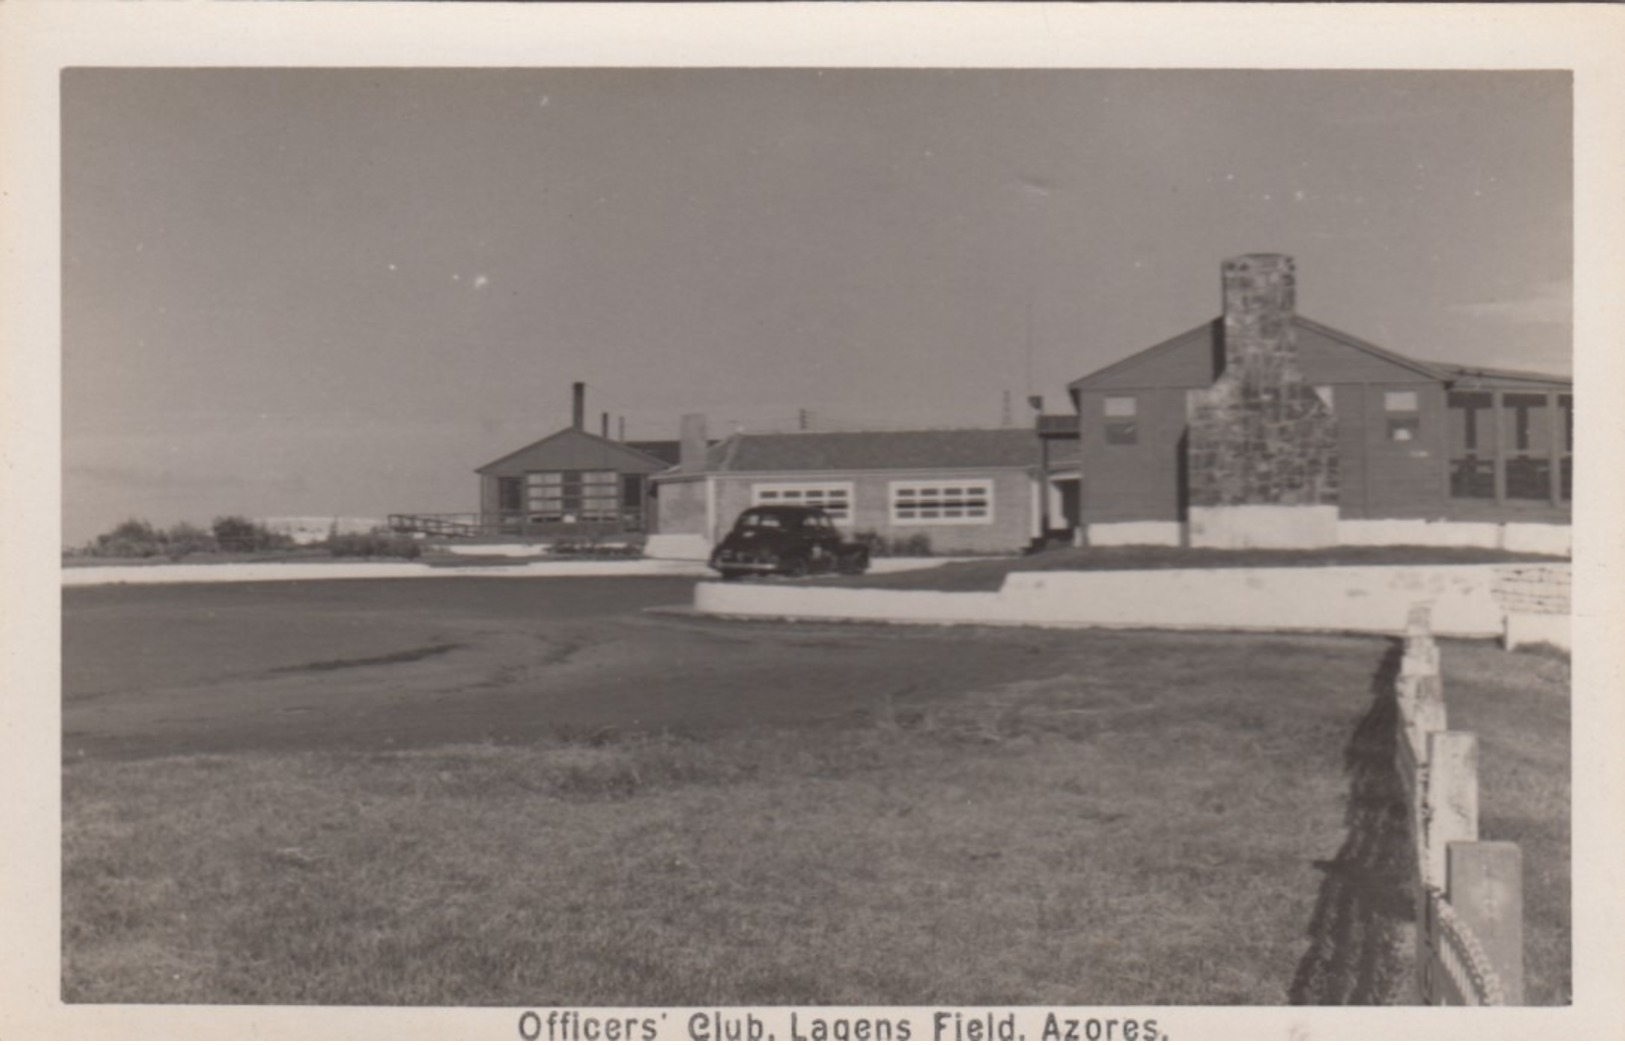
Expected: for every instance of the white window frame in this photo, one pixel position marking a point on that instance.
(1401, 401)
(1121, 408)
(834, 498)
(1122, 416)
(913, 489)
(1403, 408)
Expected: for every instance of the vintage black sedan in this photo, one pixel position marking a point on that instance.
(789, 541)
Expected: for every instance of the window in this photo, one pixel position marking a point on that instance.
(1122, 420)
(632, 491)
(834, 498)
(951, 501)
(1404, 419)
(573, 496)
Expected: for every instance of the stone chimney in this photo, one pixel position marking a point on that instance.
(1261, 445)
(578, 406)
(1260, 299)
(691, 452)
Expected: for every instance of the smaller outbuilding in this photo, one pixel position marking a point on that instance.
(952, 490)
(570, 483)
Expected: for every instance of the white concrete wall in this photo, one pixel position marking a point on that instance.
(1533, 538)
(1372, 599)
(1109, 535)
(1418, 532)
(1528, 629)
(510, 550)
(1539, 538)
(1263, 526)
(1337, 598)
(693, 547)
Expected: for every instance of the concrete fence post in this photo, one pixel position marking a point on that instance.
(1486, 889)
(1452, 799)
(1427, 715)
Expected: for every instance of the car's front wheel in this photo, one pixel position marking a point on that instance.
(793, 567)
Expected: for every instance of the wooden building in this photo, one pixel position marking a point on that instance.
(1415, 440)
(571, 482)
(965, 490)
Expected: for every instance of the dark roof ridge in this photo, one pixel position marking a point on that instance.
(1467, 369)
(566, 431)
(1298, 320)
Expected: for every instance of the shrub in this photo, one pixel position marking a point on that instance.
(915, 545)
(132, 538)
(183, 539)
(139, 539)
(375, 545)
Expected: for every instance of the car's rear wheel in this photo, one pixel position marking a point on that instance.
(855, 563)
(794, 568)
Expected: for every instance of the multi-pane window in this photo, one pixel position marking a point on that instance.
(1404, 415)
(573, 496)
(1122, 420)
(1472, 452)
(1527, 422)
(834, 498)
(951, 501)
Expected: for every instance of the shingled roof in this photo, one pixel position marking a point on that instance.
(867, 451)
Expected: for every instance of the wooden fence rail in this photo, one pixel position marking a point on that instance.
(1469, 893)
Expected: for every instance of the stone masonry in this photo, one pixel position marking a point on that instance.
(1260, 435)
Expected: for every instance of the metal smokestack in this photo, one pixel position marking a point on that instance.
(578, 413)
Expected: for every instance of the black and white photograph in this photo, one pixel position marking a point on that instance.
(591, 542)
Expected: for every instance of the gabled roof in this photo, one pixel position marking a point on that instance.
(1213, 329)
(668, 450)
(1425, 369)
(1145, 355)
(615, 451)
(915, 450)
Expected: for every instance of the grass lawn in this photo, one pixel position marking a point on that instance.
(1183, 819)
(989, 574)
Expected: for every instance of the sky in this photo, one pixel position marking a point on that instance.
(338, 292)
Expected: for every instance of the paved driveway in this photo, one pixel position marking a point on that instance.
(162, 669)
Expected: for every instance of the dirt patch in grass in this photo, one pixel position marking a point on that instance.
(1136, 830)
(410, 656)
(989, 574)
